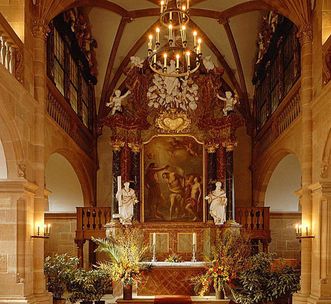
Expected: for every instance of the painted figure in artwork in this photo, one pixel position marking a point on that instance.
(153, 187)
(218, 201)
(115, 102)
(194, 196)
(126, 198)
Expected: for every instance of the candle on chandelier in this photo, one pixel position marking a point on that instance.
(188, 4)
(154, 239)
(183, 32)
(154, 58)
(170, 16)
(157, 36)
(162, 6)
(170, 33)
(195, 39)
(165, 60)
(188, 60)
(150, 42)
(199, 46)
(307, 230)
(183, 9)
(177, 62)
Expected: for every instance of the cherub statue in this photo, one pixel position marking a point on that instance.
(137, 61)
(230, 101)
(208, 63)
(126, 198)
(116, 101)
(218, 201)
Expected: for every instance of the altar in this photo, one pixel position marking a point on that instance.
(167, 278)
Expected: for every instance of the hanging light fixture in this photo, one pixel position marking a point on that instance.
(176, 58)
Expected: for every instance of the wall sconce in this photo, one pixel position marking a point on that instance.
(302, 232)
(45, 235)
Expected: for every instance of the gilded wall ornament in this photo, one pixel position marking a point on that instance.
(173, 121)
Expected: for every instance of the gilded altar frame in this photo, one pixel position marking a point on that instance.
(142, 177)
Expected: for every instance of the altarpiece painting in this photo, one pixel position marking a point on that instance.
(172, 175)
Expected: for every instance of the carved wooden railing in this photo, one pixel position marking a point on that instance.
(11, 50)
(256, 221)
(91, 221)
(285, 115)
(62, 113)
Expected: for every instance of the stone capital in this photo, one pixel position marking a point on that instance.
(40, 29)
(305, 34)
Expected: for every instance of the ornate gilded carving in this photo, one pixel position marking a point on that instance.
(173, 122)
(40, 29)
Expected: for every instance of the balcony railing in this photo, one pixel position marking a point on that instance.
(62, 113)
(285, 115)
(11, 50)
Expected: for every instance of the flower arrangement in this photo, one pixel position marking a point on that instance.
(174, 258)
(228, 257)
(126, 250)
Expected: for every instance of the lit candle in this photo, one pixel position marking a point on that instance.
(306, 230)
(48, 229)
(177, 61)
(157, 36)
(170, 16)
(45, 229)
(162, 6)
(300, 229)
(165, 60)
(195, 39)
(188, 4)
(194, 239)
(170, 32)
(38, 230)
(154, 58)
(150, 43)
(297, 228)
(183, 9)
(188, 59)
(154, 239)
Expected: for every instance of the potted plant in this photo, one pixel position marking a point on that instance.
(81, 287)
(126, 250)
(228, 257)
(102, 282)
(59, 270)
(261, 282)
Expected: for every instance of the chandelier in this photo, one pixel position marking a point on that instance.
(176, 58)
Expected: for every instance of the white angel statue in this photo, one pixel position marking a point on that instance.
(230, 101)
(115, 102)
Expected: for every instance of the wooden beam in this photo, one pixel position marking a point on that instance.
(103, 110)
(219, 56)
(245, 103)
(112, 57)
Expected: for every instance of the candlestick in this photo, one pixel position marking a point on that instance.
(170, 16)
(157, 36)
(165, 60)
(150, 43)
(195, 39)
(154, 247)
(188, 60)
(162, 6)
(170, 33)
(154, 58)
(306, 230)
(199, 46)
(154, 238)
(188, 4)
(38, 230)
(177, 61)
(194, 239)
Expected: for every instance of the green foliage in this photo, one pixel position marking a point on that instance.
(89, 285)
(59, 270)
(260, 282)
(125, 252)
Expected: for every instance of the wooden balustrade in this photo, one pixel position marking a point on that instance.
(91, 222)
(11, 50)
(62, 113)
(255, 220)
(285, 115)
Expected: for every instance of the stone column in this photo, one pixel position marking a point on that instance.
(306, 199)
(39, 32)
(211, 171)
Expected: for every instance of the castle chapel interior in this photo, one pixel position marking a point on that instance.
(177, 119)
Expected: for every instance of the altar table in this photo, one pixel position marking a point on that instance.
(151, 299)
(166, 278)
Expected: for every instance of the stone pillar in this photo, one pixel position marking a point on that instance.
(39, 32)
(305, 36)
(211, 171)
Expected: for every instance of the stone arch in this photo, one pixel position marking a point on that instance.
(81, 172)
(326, 158)
(12, 147)
(264, 172)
